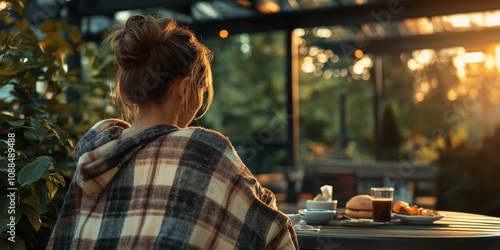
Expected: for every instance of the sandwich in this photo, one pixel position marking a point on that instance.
(360, 206)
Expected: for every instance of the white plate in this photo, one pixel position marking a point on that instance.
(418, 219)
(363, 223)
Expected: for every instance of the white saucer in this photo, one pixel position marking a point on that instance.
(418, 219)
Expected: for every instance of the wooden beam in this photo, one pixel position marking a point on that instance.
(351, 16)
(97, 7)
(409, 43)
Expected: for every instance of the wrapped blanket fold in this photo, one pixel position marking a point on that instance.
(166, 188)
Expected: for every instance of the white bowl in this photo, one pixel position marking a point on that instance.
(324, 205)
(294, 217)
(318, 216)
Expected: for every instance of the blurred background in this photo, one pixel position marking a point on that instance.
(349, 93)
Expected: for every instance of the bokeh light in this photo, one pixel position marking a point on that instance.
(223, 34)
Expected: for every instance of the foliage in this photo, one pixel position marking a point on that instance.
(42, 118)
(321, 102)
(468, 177)
(250, 102)
(390, 140)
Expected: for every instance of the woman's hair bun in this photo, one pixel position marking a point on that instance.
(153, 54)
(137, 40)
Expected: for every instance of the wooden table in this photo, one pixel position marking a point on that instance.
(456, 230)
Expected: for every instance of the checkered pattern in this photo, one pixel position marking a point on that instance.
(166, 188)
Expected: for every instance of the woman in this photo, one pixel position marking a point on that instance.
(157, 183)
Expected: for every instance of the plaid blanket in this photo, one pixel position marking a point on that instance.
(166, 188)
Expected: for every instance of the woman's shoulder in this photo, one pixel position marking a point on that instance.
(204, 139)
(106, 124)
(204, 135)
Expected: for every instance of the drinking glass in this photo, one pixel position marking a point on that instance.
(382, 203)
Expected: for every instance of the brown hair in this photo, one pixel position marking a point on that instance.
(153, 54)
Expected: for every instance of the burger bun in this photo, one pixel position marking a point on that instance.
(360, 206)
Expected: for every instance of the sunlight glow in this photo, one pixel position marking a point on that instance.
(3, 5)
(267, 7)
(322, 58)
(462, 74)
(308, 67)
(423, 56)
(419, 96)
(358, 69)
(474, 57)
(313, 51)
(413, 64)
(424, 87)
(322, 32)
(335, 59)
(452, 95)
(459, 21)
(327, 74)
(122, 16)
(492, 19)
(459, 62)
(359, 2)
(299, 32)
(481, 19)
(366, 61)
(497, 56)
(473, 93)
(489, 62)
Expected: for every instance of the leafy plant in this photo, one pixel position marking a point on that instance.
(39, 122)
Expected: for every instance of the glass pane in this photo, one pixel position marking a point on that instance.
(250, 100)
(449, 98)
(336, 100)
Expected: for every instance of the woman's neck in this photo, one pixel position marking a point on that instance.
(150, 116)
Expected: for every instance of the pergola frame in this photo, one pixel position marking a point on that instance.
(350, 16)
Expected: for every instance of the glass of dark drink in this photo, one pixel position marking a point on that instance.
(382, 203)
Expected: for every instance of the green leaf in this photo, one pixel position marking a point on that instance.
(34, 170)
(35, 132)
(72, 73)
(3, 224)
(32, 201)
(8, 72)
(57, 179)
(33, 216)
(50, 72)
(6, 65)
(4, 174)
(18, 5)
(18, 244)
(74, 34)
(4, 146)
(61, 134)
(4, 15)
(12, 120)
(16, 41)
(52, 188)
(61, 180)
(39, 102)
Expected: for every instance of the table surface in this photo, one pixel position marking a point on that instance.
(456, 230)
